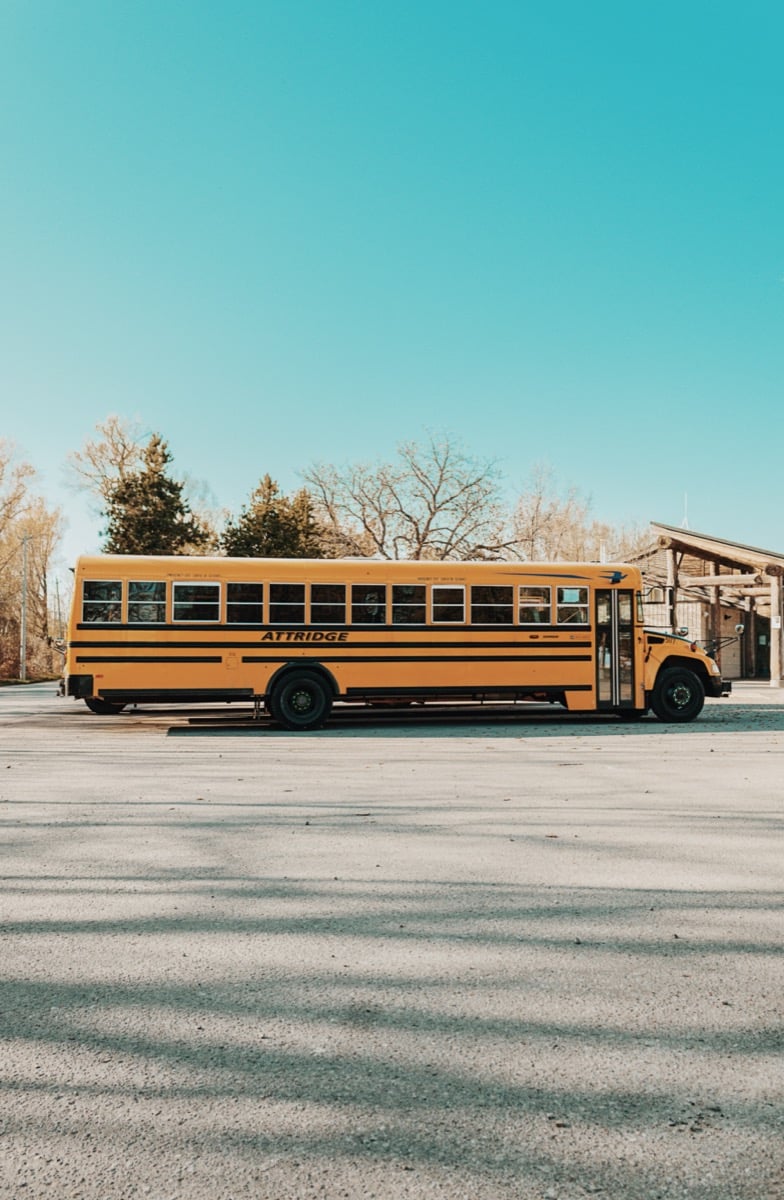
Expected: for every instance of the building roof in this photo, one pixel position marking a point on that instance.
(717, 550)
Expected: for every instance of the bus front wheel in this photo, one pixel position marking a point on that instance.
(300, 701)
(104, 708)
(678, 695)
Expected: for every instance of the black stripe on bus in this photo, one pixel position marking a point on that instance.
(157, 643)
(327, 644)
(466, 692)
(178, 695)
(456, 627)
(326, 659)
(184, 695)
(334, 658)
(149, 658)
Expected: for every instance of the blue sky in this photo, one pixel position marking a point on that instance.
(281, 233)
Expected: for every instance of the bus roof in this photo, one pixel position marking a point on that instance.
(190, 566)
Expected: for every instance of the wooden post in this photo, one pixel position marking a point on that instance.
(672, 588)
(716, 623)
(751, 666)
(715, 618)
(775, 626)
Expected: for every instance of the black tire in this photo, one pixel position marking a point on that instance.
(678, 695)
(300, 701)
(104, 708)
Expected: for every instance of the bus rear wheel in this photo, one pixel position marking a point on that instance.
(678, 695)
(104, 708)
(300, 701)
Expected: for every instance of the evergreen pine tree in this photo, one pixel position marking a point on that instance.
(273, 526)
(146, 512)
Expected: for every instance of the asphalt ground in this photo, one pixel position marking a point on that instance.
(415, 955)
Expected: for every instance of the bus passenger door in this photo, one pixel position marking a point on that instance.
(614, 648)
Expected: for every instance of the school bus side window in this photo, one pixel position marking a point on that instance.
(196, 602)
(244, 603)
(287, 603)
(491, 605)
(146, 602)
(101, 601)
(535, 605)
(408, 604)
(572, 608)
(448, 604)
(328, 603)
(368, 604)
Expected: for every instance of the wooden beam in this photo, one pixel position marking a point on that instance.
(739, 580)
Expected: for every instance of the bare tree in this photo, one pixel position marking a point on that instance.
(547, 526)
(14, 483)
(105, 461)
(617, 543)
(433, 502)
(29, 534)
(118, 453)
(555, 527)
(42, 529)
(207, 514)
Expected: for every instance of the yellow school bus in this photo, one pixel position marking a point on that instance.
(294, 636)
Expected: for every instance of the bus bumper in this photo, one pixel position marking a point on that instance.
(718, 687)
(80, 686)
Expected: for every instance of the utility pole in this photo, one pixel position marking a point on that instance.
(23, 621)
(57, 607)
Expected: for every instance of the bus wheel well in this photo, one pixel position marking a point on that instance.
(696, 667)
(310, 668)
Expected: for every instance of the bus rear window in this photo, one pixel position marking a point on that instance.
(101, 601)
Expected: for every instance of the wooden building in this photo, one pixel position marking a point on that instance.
(727, 595)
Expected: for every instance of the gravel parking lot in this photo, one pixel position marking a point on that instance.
(493, 958)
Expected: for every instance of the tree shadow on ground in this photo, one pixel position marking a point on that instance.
(454, 1068)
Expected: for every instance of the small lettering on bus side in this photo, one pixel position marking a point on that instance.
(304, 635)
